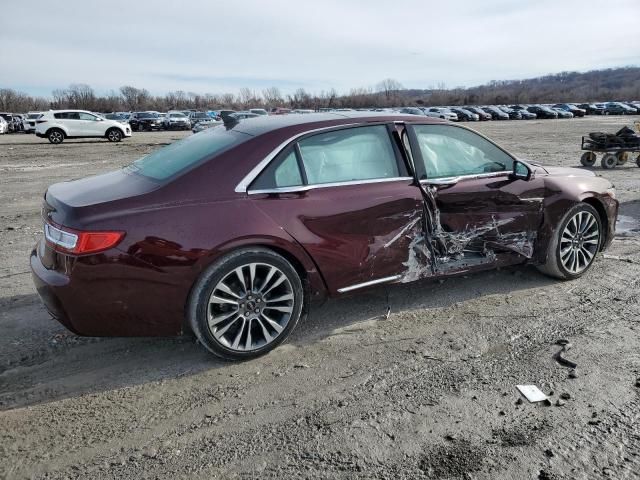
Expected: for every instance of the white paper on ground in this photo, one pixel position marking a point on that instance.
(532, 393)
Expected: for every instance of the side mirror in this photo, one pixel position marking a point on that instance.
(521, 171)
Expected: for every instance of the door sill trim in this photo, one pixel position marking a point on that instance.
(369, 283)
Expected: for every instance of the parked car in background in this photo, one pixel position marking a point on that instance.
(8, 117)
(302, 110)
(58, 125)
(259, 111)
(304, 207)
(440, 112)
(569, 107)
(618, 108)
(513, 114)
(279, 111)
(4, 126)
(562, 113)
(225, 114)
(200, 126)
(196, 117)
(125, 116)
(526, 114)
(29, 121)
(412, 111)
(116, 116)
(496, 113)
(243, 115)
(18, 120)
(481, 113)
(141, 121)
(635, 106)
(592, 108)
(175, 120)
(465, 115)
(542, 112)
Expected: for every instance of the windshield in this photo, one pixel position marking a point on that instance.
(146, 115)
(34, 115)
(177, 115)
(187, 153)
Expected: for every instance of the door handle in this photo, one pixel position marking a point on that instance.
(442, 181)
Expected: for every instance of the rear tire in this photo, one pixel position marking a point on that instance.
(575, 243)
(638, 160)
(609, 160)
(114, 135)
(55, 136)
(622, 157)
(246, 304)
(588, 159)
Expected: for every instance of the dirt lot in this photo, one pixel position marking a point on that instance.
(427, 393)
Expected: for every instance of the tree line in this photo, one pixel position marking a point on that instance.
(593, 86)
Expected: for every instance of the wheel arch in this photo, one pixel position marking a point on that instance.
(114, 127)
(602, 213)
(57, 127)
(312, 280)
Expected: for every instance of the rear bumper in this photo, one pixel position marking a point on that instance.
(106, 295)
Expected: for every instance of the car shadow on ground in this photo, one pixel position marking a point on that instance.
(425, 294)
(44, 362)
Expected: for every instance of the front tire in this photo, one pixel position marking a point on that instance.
(114, 135)
(575, 243)
(246, 304)
(55, 136)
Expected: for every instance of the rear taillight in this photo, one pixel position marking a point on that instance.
(78, 242)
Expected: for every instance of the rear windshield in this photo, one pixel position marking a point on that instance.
(187, 153)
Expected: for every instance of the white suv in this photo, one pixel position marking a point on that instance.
(56, 125)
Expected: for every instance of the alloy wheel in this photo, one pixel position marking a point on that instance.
(114, 136)
(250, 307)
(55, 137)
(579, 242)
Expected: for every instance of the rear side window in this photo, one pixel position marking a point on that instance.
(187, 153)
(362, 153)
(67, 115)
(283, 171)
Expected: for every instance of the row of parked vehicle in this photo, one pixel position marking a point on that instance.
(524, 112)
(199, 120)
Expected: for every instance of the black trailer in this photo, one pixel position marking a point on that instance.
(617, 148)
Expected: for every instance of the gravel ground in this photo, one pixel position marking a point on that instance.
(427, 393)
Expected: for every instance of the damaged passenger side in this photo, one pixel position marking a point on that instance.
(473, 209)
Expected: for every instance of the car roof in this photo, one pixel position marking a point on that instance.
(260, 125)
(69, 110)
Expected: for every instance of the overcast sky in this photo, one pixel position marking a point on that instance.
(220, 46)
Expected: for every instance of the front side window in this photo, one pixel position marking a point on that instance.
(453, 151)
(187, 153)
(362, 153)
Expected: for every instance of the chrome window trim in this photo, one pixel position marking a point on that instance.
(369, 283)
(459, 178)
(305, 188)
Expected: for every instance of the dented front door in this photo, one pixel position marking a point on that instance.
(479, 211)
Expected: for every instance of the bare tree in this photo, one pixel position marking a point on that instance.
(390, 88)
(272, 97)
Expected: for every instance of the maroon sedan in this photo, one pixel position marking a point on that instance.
(234, 231)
